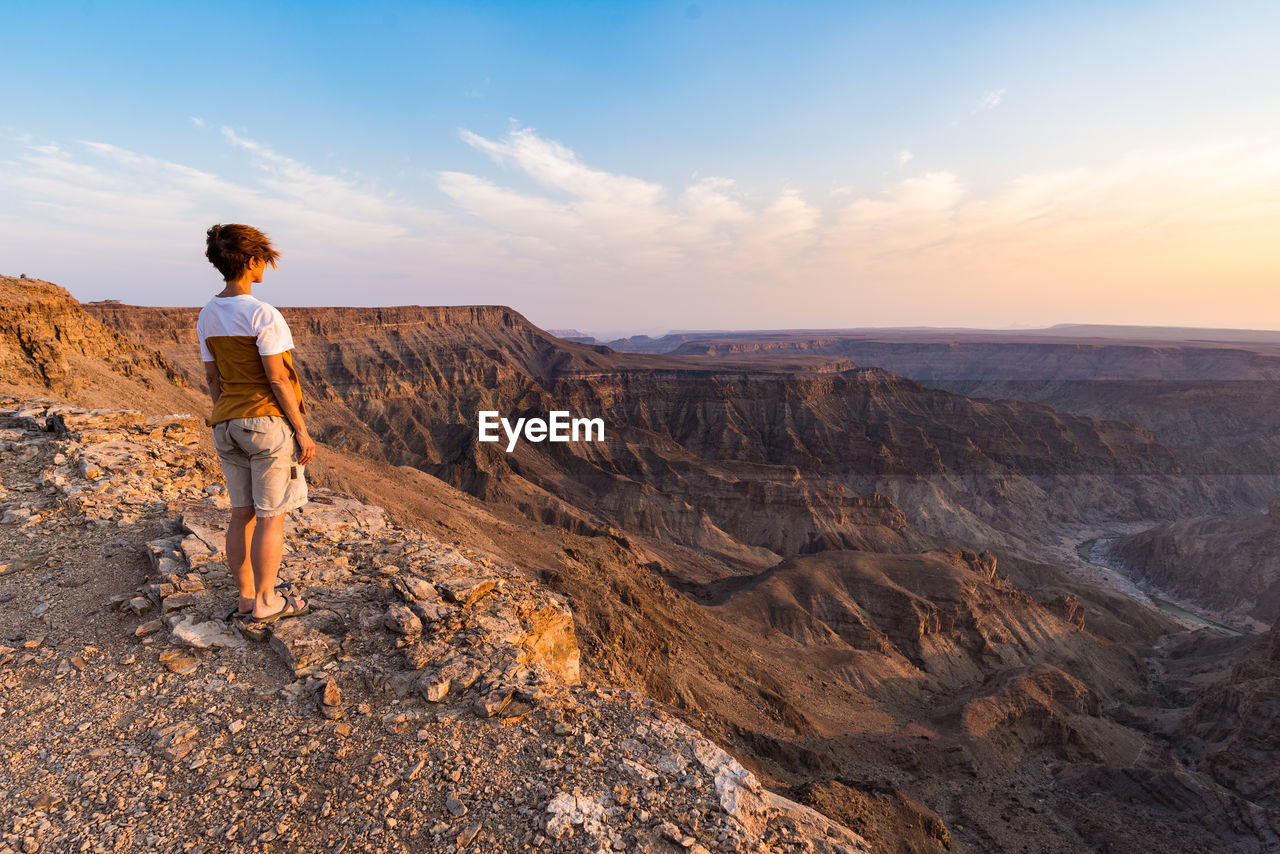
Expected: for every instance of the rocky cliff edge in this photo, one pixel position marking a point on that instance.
(430, 701)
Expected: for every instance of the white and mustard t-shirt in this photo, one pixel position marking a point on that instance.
(235, 332)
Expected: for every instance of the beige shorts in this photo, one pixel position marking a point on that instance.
(260, 463)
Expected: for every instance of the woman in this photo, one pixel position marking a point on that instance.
(257, 423)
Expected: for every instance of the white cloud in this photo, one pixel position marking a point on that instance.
(990, 100)
(904, 157)
(932, 193)
(567, 241)
(599, 220)
(507, 209)
(146, 215)
(197, 121)
(557, 168)
(341, 208)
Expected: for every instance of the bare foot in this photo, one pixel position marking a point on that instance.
(280, 606)
(273, 603)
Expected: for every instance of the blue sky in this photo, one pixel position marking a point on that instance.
(627, 166)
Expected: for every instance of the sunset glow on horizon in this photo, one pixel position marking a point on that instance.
(625, 167)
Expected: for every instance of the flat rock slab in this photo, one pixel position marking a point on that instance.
(206, 525)
(203, 635)
(461, 672)
(401, 620)
(465, 589)
(493, 702)
(175, 601)
(414, 588)
(335, 512)
(302, 646)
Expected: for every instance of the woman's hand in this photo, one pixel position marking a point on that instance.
(306, 447)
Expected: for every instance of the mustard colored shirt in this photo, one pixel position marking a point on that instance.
(235, 332)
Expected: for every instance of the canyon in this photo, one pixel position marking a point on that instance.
(1210, 396)
(859, 582)
(1192, 388)
(826, 446)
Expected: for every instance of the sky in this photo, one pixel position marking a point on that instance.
(647, 166)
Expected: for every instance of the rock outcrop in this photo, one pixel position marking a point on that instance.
(413, 649)
(48, 342)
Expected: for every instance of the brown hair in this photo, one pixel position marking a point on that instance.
(233, 246)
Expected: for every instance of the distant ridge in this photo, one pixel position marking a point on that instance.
(1060, 331)
(1189, 334)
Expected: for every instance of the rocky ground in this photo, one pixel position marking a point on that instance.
(430, 702)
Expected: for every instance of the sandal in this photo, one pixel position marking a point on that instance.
(293, 607)
(284, 588)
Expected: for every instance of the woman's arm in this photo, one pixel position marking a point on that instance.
(213, 380)
(278, 376)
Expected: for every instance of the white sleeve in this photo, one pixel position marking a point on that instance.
(205, 355)
(273, 333)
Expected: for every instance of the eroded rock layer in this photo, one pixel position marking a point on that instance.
(743, 461)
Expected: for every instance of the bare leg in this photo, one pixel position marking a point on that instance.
(265, 550)
(239, 532)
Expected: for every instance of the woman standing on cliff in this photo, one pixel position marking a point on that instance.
(261, 439)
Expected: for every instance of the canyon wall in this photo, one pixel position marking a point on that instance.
(748, 462)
